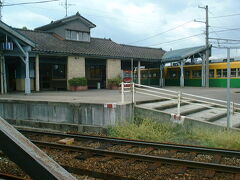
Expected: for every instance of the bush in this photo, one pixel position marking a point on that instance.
(114, 81)
(146, 129)
(78, 81)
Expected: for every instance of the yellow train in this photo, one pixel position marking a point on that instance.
(193, 75)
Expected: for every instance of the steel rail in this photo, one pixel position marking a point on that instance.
(178, 147)
(74, 170)
(149, 158)
(4, 176)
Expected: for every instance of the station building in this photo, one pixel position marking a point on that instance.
(47, 57)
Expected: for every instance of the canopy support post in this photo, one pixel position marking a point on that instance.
(182, 74)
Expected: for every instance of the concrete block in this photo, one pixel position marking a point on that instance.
(67, 141)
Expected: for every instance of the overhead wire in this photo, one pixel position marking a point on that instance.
(177, 39)
(152, 36)
(231, 29)
(228, 15)
(33, 2)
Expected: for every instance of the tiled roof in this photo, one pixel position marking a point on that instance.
(49, 43)
(5, 28)
(66, 19)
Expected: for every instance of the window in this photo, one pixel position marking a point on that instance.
(144, 75)
(196, 73)
(68, 34)
(172, 74)
(211, 73)
(80, 36)
(58, 71)
(238, 72)
(219, 72)
(77, 35)
(224, 72)
(85, 36)
(74, 35)
(186, 74)
(233, 72)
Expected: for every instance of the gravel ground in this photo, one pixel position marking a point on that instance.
(117, 166)
(9, 167)
(135, 169)
(230, 161)
(203, 158)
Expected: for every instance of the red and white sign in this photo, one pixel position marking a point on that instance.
(177, 118)
(110, 105)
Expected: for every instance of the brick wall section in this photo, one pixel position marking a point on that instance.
(113, 68)
(75, 67)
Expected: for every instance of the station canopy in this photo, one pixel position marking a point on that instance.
(185, 53)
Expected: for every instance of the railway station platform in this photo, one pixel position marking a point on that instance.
(95, 110)
(113, 96)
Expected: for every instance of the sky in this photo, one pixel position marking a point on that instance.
(162, 24)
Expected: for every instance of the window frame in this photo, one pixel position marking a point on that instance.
(65, 72)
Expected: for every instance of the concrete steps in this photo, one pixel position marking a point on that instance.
(235, 121)
(155, 105)
(187, 109)
(195, 110)
(209, 114)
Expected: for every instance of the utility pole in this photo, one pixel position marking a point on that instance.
(1, 5)
(207, 50)
(229, 122)
(66, 7)
(206, 63)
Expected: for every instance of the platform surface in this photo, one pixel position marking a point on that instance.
(114, 96)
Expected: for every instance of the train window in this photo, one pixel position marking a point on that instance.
(238, 72)
(186, 74)
(196, 73)
(211, 73)
(233, 72)
(154, 74)
(172, 74)
(219, 72)
(224, 72)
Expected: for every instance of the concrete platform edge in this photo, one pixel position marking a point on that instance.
(61, 127)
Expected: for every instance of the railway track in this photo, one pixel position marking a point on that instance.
(113, 158)
(4, 176)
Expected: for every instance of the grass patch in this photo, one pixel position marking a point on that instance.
(173, 133)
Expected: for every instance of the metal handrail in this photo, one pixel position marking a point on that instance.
(156, 92)
(162, 93)
(150, 87)
(186, 94)
(188, 100)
